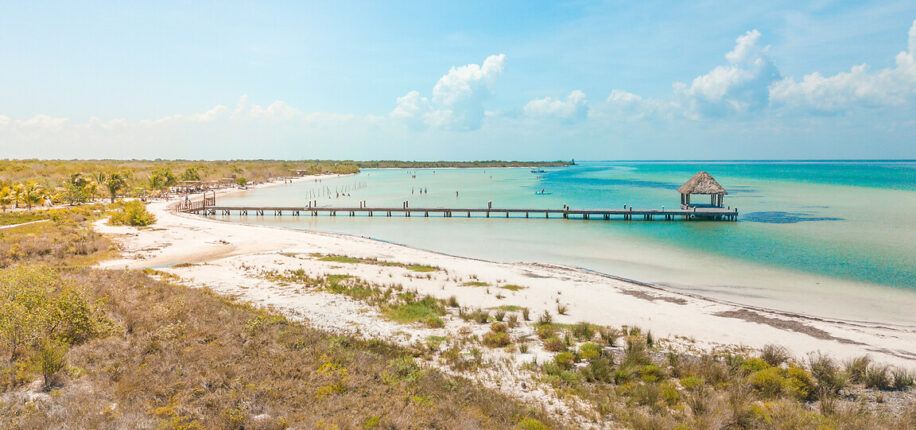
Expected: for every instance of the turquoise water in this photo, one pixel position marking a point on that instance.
(841, 234)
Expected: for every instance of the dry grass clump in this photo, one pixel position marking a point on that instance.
(856, 369)
(374, 261)
(830, 379)
(774, 355)
(65, 239)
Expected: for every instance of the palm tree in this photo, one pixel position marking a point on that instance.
(91, 189)
(6, 197)
(17, 195)
(31, 194)
(76, 188)
(100, 177)
(115, 182)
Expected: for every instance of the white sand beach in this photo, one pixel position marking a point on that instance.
(222, 256)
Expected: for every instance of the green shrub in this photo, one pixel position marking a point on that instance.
(624, 374)
(589, 351)
(600, 369)
(774, 381)
(669, 393)
(800, 383)
(530, 424)
(434, 322)
(37, 307)
(650, 373)
(497, 337)
(753, 365)
(692, 382)
(565, 360)
(132, 213)
(636, 352)
(546, 331)
(768, 382)
(584, 331)
(50, 360)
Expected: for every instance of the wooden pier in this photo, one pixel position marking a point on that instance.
(693, 213)
(701, 183)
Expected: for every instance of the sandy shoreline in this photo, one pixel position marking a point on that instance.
(223, 253)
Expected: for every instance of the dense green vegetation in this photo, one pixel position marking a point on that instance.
(31, 183)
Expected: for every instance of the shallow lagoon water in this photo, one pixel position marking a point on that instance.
(832, 239)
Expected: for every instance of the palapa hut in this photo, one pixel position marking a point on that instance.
(702, 183)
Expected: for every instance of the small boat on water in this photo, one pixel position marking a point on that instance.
(543, 193)
(538, 170)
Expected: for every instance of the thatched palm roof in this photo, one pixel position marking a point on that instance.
(701, 183)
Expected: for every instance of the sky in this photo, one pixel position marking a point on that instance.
(471, 80)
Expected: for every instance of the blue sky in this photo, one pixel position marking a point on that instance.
(462, 80)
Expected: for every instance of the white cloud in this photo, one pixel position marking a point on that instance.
(457, 100)
(412, 109)
(740, 86)
(278, 111)
(574, 108)
(622, 97)
(857, 87)
(42, 121)
(750, 82)
(199, 133)
(626, 105)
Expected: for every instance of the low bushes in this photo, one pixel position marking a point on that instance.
(497, 337)
(41, 316)
(132, 213)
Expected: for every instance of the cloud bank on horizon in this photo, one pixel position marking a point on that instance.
(746, 103)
